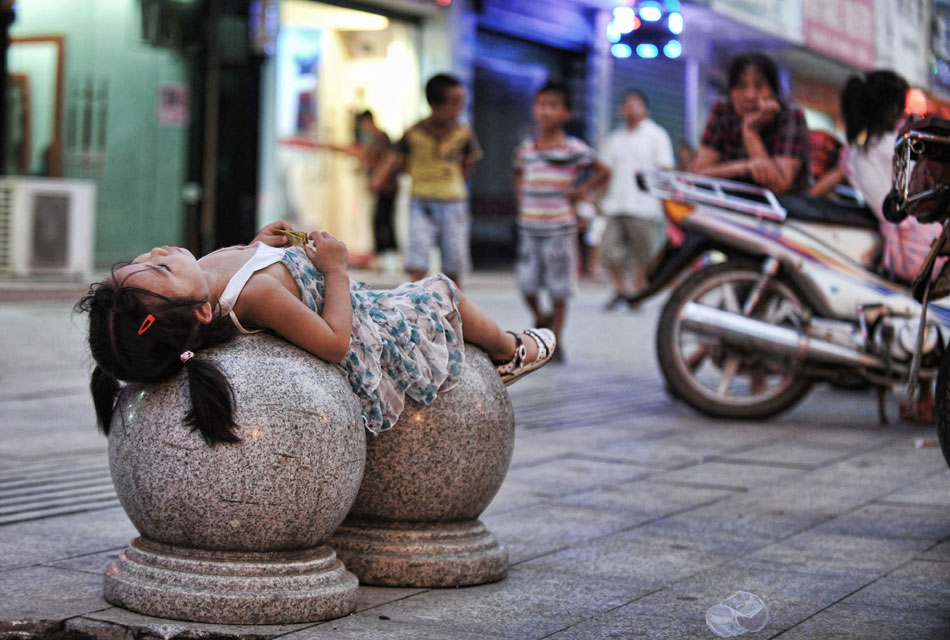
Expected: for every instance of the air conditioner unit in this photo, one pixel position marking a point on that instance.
(46, 227)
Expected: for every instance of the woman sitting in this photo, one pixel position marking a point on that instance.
(755, 136)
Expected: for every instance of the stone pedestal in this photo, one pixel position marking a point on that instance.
(235, 533)
(415, 520)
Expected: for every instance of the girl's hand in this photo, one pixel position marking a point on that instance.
(328, 254)
(267, 235)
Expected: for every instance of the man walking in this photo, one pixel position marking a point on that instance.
(633, 217)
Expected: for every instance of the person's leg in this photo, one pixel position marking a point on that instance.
(560, 268)
(453, 234)
(480, 329)
(612, 253)
(421, 236)
(643, 235)
(527, 268)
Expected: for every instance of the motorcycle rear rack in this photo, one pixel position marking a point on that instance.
(728, 194)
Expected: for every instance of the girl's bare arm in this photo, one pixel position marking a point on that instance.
(268, 304)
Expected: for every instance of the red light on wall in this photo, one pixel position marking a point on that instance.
(443, 3)
(916, 102)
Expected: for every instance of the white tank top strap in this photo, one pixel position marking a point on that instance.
(265, 256)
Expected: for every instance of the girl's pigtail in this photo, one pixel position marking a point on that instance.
(104, 388)
(212, 402)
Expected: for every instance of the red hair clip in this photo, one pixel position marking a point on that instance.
(147, 323)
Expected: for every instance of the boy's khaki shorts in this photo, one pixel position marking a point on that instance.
(547, 263)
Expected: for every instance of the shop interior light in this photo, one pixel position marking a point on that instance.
(673, 49)
(625, 19)
(621, 51)
(916, 102)
(675, 22)
(647, 50)
(613, 33)
(650, 11)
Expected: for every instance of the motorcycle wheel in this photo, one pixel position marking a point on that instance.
(721, 379)
(942, 401)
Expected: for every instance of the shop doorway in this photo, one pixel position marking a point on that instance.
(508, 72)
(331, 64)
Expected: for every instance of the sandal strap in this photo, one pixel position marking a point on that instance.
(544, 349)
(516, 363)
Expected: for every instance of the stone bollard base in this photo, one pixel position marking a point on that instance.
(230, 587)
(420, 554)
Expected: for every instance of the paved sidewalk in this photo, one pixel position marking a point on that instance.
(625, 514)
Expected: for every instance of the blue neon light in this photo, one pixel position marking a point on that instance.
(673, 49)
(675, 22)
(622, 50)
(647, 50)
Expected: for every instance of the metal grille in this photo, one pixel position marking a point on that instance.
(6, 226)
(54, 487)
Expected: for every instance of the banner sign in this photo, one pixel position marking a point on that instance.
(843, 29)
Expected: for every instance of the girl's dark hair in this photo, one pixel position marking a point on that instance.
(123, 352)
(760, 61)
(873, 103)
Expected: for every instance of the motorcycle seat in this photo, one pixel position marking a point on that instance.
(810, 209)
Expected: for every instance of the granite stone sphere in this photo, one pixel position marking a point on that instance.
(286, 486)
(445, 461)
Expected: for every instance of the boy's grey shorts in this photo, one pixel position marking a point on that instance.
(441, 223)
(547, 262)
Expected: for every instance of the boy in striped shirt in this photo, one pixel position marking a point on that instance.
(548, 168)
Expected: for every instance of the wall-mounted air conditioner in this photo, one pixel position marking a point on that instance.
(46, 227)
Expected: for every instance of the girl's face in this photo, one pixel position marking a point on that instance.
(169, 271)
(750, 91)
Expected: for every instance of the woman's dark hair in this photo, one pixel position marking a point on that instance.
(123, 351)
(873, 104)
(558, 88)
(760, 61)
(437, 88)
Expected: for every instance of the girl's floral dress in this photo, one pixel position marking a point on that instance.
(405, 342)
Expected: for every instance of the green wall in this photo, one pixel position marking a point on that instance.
(142, 170)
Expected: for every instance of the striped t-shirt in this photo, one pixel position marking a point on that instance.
(546, 179)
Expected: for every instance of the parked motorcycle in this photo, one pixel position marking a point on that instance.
(922, 189)
(781, 293)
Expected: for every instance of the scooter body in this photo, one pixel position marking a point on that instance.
(795, 301)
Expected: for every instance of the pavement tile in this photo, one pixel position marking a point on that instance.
(893, 521)
(937, 553)
(373, 625)
(725, 475)
(36, 595)
(918, 585)
(535, 531)
(792, 596)
(631, 621)
(54, 539)
(817, 552)
(895, 464)
(573, 473)
(645, 500)
(142, 626)
(89, 563)
(932, 491)
(846, 621)
(515, 495)
(801, 453)
(529, 603)
(648, 561)
(370, 597)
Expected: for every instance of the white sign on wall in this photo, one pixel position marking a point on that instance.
(902, 42)
(781, 18)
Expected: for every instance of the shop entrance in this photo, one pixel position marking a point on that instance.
(332, 64)
(508, 72)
